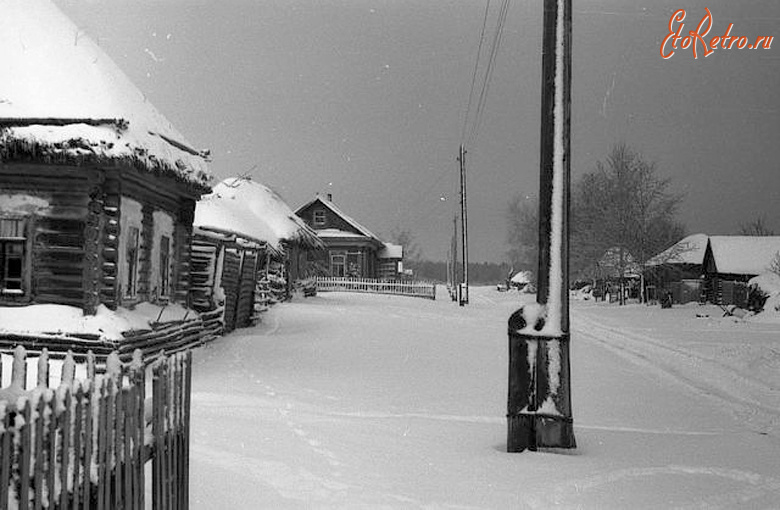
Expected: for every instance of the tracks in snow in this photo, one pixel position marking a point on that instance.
(752, 401)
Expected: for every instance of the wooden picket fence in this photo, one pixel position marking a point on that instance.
(85, 444)
(370, 285)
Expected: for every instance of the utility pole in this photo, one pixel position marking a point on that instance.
(539, 404)
(454, 291)
(464, 297)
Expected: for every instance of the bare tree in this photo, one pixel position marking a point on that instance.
(623, 205)
(757, 227)
(412, 252)
(522, 216)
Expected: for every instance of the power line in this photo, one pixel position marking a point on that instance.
(476, 68)
(497, 37)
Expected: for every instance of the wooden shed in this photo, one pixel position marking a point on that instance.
(97, 189)
(678, 269)
(247, 250)
(730, 261)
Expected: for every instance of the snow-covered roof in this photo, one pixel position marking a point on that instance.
(749, 255)
(522, 277)
(64, 100)
(333, 207)
(52, 319)
(331, 233)
(689, 250)
(391, 251)
(247, 208)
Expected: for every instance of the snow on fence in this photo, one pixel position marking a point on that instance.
(85, 443)
(414, 289)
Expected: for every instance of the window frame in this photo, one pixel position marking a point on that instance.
(24, 240)
(334, 264)
(319, 218)
(165, 266)
(131, 282)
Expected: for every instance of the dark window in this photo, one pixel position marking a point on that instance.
(337, 265)
(12, 256)
(165, 266)
(319, 217)
(131, 287)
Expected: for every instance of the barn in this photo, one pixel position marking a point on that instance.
(247, 251)
(97, 188)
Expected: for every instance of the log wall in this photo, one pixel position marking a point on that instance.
(73, 242)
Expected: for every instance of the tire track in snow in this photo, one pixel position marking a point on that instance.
(753, 486)
(750, 400)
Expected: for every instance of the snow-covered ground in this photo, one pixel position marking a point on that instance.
(363, 401)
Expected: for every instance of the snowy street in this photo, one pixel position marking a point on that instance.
(355, 401)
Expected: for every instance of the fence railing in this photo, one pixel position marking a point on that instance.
(413, 289)
(85, 444)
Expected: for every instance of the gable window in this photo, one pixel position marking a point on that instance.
(131, 256)
(12, 255)
(319, 217)
(165, 266)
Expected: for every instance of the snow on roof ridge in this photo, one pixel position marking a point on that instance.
(240, 205)
(67, 94)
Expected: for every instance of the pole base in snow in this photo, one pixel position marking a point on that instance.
(539, 403)
(533, 431)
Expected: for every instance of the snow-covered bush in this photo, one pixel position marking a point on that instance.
(764, 292)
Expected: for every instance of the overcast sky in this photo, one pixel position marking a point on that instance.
(366, 99)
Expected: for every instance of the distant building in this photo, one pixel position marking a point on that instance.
(711, 268)
(730, 261)
(351, 250)
(97, 189)
(678, 270)
(391, 261)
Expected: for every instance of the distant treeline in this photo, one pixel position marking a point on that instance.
(480, 273)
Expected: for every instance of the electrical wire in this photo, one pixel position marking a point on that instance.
(488, 77)
(474, 74)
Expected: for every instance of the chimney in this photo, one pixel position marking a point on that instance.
(330, 197)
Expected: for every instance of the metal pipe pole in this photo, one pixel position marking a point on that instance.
(539, 403)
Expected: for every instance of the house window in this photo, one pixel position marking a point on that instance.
(319, 217)
(12, 256)
(131, 285)
(337, 263)
(165, 266)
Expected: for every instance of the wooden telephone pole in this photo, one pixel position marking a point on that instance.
(539, 404)
(464, 290)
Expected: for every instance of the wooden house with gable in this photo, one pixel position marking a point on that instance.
(351, 250)
(97, 188)
(247, 251)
